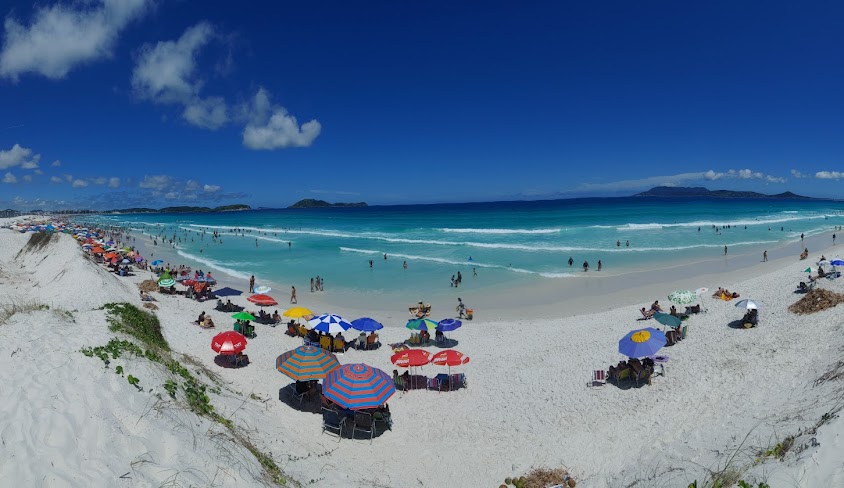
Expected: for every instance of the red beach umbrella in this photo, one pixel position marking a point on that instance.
(262, 300)
(188, 282)
(97, 250)
(449, 357)
(228, 342)
(411, 358)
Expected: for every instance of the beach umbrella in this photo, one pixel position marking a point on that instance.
(421, 324)
(449, 358)
(97, 250)
(263, 289)
(667, 319)
(807, 270)
(410, 358)
(683, 297)
(366, 324)
(329, 324)
(837, 262)
(166, 282)
(358, 386)
(642, 342)
(449, 325)
(187, 282)
(297, 312)
(306, 363)
(701, 291)
(262, 300)
(747, 304)
(228, 342)
(157, 262)
(243, 316)
(227, 292)
(138, 259)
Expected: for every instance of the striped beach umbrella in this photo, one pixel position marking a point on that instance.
(421, 324)
(329, 324)
(683, 297)
(306, 363)
(166, 282)
(358, 386)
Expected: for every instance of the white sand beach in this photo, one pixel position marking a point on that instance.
(727, 394)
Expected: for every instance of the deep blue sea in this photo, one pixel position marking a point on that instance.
(506, 243)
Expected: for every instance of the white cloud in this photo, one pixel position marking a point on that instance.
(191, 185)
(63, 36)
(9, 178)
(210, 113)
(271, 127)
(79, 183)
(113, 182)
(829, 175)
(27, 178)
(100, 181)
(68, 178)
(38, 172)
(19, 156)
(158, 182)
(56, 163)
(211, 188)
(798, 174)
(166, 73)
(56, 179)
(678, 179)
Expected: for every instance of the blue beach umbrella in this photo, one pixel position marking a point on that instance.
(157, 262)
(837, 262)
(641, 343)
(366, 324)
(358, 386)
(449, 325)
(227, 292)
(329, 324)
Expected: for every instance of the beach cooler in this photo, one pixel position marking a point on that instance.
(469, 313)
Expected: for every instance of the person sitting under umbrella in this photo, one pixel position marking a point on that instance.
(276, 317)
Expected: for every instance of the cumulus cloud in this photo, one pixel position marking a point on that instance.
(797, 174)
(829, 175)
(158, 182)
(27, 178)
(743, 174)
(79, 183)
(10, 178)
(68, 178)
(272, 127)
(56, 163)
(166, 73)
(113, 182)
(63, 36)
(19, 156)
(56, 179)
(100, 181)
(38, 172)
(211, 188)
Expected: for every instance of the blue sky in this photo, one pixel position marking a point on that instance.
(115, 103)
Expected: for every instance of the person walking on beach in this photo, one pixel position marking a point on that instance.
(252, 284)
(452, 280)
(599, 265)
(461, 309)
(474, 271)
(293, 295)
(725, 250)
(312, 285)
(765, 257)
(801, 236)
(833, 239)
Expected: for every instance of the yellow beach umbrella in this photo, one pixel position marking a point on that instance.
(297, 312)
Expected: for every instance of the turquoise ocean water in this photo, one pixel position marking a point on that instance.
(509, 243)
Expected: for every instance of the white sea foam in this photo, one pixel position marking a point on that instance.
(764, 220)
(500, 231)
(216, 265)
(362, 251)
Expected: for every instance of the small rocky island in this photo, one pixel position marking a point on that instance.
(313, 203)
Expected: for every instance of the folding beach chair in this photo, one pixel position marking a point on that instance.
(599, 378)
(332, 421)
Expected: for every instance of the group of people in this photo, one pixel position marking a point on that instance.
(455, 282)
(204, 320)
(725, 294)
(586, 264)
(317, 284)
(633, 368)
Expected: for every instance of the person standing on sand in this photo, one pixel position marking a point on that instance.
(252, 284)
(725, 250)
(599, 265)
(474, 271)
(765, 257)
(312, 285)
(833, 239)
(293, 294)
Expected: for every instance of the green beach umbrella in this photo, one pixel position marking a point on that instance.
(807, 270)
(166, 282)
(683, 297)
(421, 324)
(667, 319)
(243, 316)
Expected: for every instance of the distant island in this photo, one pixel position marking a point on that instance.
(699, 191)
(313, 203)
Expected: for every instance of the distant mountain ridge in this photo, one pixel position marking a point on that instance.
(313, 203)
(699, 191)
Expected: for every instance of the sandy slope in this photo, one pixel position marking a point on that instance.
(527, 403)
